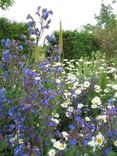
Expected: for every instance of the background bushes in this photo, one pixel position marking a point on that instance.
(12, 30)
(78, 44)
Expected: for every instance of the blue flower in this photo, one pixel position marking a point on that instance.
(48, 38)
(110, 134)
(37, 151)
(77, 118)
(21, 64)
(11, 112)
(18, 151)
(6, 53)
(87, 139)
(45, 15)
(5, 57)
(106, 151)
(12, 127)
(20, 48)
(72, 141)
(111, 100)
(5, 75)
(46, 101)
(7, 43)
(3, 93)
(71, 126)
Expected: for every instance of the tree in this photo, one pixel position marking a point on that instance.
(88, 28)
(5, 4)
(106, 30)
(106, 18)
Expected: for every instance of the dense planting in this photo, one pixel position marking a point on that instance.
(56, 108)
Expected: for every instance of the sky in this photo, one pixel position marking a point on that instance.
(72, 13)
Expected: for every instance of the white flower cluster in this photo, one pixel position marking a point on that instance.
(96, 102)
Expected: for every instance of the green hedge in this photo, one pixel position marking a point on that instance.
(12, 30)
(78, 44)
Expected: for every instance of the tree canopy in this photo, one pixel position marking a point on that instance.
(5, 4)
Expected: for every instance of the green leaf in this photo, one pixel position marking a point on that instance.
(112, 153)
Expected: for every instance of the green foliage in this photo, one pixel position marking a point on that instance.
(106, 18)
(108, 41)
(89, 28)
(12, 30)
(106, 30)
(5, 4)
(112, 154)
(78, 44)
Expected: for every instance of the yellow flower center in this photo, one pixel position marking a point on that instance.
(99, 140)
(61, 145)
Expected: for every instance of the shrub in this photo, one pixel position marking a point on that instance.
(78, 44)
(108, 41)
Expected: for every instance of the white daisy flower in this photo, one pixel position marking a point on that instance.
(65, 135)
(97, 88)
(96, 100)
(99, 139)
(52, 152)
(78, 91)
(86, 84)
(55, 120)
(87, 118)
(59, 145)
(80, 105)
(94, 106)
(115, 143)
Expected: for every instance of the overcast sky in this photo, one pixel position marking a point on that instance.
(72, 13)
